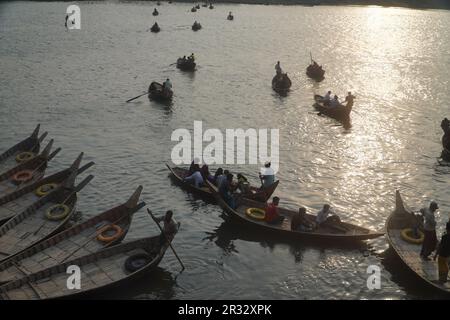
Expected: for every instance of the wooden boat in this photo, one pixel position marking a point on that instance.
(445, 155)
(156, 91)
(194, 9)
(41, 220)
(26, 172)
(339, 232)
(155, 12)
(197, 6)
(155, 28)
(75, 242)
(16, 202)
(22, 151)
(178, 175)
(316, 73)
(196, 26)
(204, 5)
(281, 84)
(409, 253)
(158, 3)
(230, 17)
(340, 113)
(211, 6)
(100, 271)
(186, 64)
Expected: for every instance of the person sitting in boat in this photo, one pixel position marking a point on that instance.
(335, 102)
(324, 214)
(429, 230)
(194, 165)
(192, 57)
(327, 98)
(217, 174)
(226, 191)
(222, 178)
(278, 69)
(167, 85)
(196, 179)
(349, 98)
(300, 222)
(443, 255)
(243, 184)
(170, 227)
(272, 216)
(205, 173)
(267, 175)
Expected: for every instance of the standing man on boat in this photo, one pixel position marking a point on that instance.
(443, 255)
(278, 69)
(267, 175)
(429, 227)
(349, 99)
(170, 227)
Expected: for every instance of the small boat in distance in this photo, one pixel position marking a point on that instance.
(340, 112)
(158, 92)
(316, 72)
(196, 26)
(281, 83)
(230, 16)
(186, 64)
(155, 12)
(155, 28)
(194, 9)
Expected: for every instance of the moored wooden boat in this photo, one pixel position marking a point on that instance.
(315, 72)
(42, 219)
(77, 241)
(186, 64)
(26, 172)
(340, 113)
(16, 202)
(100, 271)
(157, 92)
(281, 83)
(340, 232)
(178, 175)
(409, 253)
(22, 151)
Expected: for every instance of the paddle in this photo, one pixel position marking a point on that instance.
(310, 55)
(162, 232)
(137, 97)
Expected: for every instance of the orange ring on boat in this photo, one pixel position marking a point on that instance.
(22, 176)
(405, 236)
(45, 189)
(104, 238)
(24, 156)
(256, 213)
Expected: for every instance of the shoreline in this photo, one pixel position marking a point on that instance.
(411, 4)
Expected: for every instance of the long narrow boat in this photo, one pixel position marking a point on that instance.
(79, 240)
(340, 232)
(16, 202)
(178, 175)
(43, 219)
(340, 113)
(399, 220)
(22, 151)
(26, 172)
(100, 271)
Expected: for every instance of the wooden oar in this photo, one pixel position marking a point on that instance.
(137, 97)
(162, 232)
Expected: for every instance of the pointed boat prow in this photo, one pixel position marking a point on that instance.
(132, 202)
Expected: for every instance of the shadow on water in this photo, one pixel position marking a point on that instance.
(225, 235)
(407, 279)
(157, 285)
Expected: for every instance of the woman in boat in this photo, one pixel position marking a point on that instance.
(219, 172)
(443, 255)
(267, 175)
(299, 221)
(205, 173)
(226, 191)
(429, 229)
(272, 216)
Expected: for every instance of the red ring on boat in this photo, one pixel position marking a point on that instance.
(22, 176)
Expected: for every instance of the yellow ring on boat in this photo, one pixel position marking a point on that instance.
(57, 212)
(45, 189)
(255, 213)
(103, 238)
(24, 156)
(405, 236)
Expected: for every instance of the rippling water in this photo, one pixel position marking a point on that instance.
(396, 61)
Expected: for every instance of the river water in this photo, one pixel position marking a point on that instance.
(395, 61)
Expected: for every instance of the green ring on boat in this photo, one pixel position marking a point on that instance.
(24, 156)
(57, 212)
(45, 189)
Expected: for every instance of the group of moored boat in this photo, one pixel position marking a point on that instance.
(38, 240)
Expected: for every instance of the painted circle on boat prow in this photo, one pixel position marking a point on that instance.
(45, 189)
(406, 235)
(57, 212)
(24, 156)
(103, 235)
